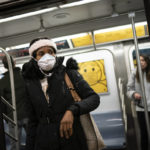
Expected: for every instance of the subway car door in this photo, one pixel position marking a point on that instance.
(98, 70)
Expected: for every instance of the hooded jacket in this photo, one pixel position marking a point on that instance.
(133, 86)
(20, 93)
(43, 134)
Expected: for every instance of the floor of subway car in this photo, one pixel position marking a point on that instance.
(116, 149)
(22, 148)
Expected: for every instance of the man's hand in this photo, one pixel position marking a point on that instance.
(137, 96)
(66, 125)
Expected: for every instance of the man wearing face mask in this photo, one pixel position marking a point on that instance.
(54, 117)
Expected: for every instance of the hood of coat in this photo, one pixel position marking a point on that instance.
(30, 70)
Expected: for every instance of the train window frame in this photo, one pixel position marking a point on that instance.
(102, 67)
(93, 59)
(142, 47)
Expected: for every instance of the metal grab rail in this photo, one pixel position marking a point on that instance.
(11, 136)
(9, 119)
(13, 98)
(2, 134)
(136, 124)
(131, 16)
(5, 102)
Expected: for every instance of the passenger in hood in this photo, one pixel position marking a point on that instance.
(20, 97)
(54, 116)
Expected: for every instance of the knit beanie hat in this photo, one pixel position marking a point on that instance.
(40, 43)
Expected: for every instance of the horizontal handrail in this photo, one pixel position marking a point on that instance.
(13, 97)
(7, 103)
(9, 119)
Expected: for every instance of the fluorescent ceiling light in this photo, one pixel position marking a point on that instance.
(2, 1)
(70, 36)
(112, 29)
(141, 23)
(77, 3)
(28, 14)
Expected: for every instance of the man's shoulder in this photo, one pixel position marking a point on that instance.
(3, 81)
(17, 70)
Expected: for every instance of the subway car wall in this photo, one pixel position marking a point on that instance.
(108, 64)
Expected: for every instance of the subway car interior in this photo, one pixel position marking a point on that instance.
(104, 36)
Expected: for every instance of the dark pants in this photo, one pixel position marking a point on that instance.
(143, 130)
(48, 138)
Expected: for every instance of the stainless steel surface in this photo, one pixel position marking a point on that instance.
(11, 136)
(79, 19)
(9, 119)
(5, 102)
(13, 95)
(118, 51)
(131, 16)
(122, 102)
(136, 125)
(76, 19)
(93, 39)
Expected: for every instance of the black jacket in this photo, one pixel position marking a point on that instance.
(44, 136)
(5, 91)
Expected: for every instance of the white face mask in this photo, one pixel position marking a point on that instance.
(46, 62)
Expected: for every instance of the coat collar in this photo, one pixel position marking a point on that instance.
(31, 70)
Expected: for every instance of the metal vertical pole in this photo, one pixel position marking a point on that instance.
(132, 15)
(2, 133)
(12, 94)
(93, 39)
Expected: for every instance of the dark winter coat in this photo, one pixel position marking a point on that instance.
(44, 118)
(5, 91)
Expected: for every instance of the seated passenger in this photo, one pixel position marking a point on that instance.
(134, 92)
(5, 91)
(54, 122)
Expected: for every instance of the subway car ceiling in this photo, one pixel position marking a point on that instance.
(60, 18)
(16, 7)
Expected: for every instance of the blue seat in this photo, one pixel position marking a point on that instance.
(112, 129)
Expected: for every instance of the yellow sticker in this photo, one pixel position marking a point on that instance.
(94, 73)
